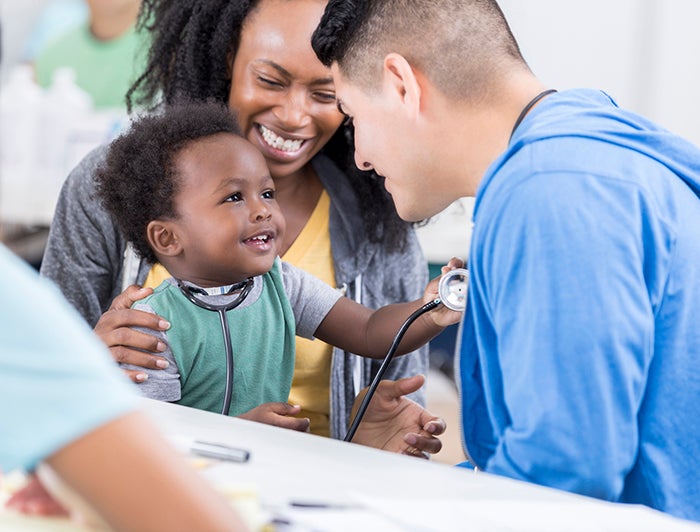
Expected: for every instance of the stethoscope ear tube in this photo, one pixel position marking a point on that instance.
(452, 289)
(228, 347)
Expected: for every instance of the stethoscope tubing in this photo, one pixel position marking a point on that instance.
(221, 310)
(444, 289)
(385, 364)
(228, 347)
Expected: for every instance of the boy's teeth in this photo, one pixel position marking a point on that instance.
(275, 141)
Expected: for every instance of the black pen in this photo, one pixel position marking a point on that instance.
(219, 451)
(318, 505)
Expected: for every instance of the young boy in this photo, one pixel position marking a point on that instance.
(191, 194)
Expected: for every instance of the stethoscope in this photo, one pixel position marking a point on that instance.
(244, 289)
(452, 292)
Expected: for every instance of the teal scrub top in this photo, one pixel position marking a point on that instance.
(57, 380)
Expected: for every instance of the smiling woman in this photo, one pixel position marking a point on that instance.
(283, 95)
(256, 57)
(285, 101)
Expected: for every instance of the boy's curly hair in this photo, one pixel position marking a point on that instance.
(192, 43)
(139, 179)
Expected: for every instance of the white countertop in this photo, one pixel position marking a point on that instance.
(377, 490)
(359, 488)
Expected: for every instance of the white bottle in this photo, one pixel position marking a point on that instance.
(66, 108)
(20, 108)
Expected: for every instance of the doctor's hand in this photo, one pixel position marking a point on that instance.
(395, 423)
(126, 344)
(279, 415)
(442, 315)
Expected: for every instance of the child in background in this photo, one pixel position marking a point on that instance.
(191, 194)
(55, 18)
(104, 51)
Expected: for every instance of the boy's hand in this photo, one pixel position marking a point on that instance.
(127, 345)
(442, 315)
(279, 415)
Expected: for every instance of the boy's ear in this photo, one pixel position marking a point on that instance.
(403, 82)
(163, 238)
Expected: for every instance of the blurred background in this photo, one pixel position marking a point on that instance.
(66, 66)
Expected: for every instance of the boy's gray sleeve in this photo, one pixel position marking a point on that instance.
(162, 384)
(311, 299)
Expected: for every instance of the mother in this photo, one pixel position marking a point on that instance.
(341, 224)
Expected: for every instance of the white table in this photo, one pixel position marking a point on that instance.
(377, 490)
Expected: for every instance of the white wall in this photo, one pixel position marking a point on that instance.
(644, 53)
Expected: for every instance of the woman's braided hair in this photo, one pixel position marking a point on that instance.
(192, 46)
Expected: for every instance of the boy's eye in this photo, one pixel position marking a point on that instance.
(269, 194)
(235, 197)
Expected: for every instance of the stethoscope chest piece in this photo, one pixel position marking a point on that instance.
(453, 289)
(452, 292)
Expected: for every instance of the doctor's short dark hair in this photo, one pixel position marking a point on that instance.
(139, 179)
(458, 44)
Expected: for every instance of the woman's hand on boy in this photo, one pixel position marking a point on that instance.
(395, 423)
(442, 315)
(127, 345)
(279, 415)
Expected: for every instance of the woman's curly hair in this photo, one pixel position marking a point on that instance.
(139, 179)
(192, 43)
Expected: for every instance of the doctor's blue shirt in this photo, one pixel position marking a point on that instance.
(580, 354)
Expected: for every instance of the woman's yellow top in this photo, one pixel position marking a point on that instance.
(311, 252)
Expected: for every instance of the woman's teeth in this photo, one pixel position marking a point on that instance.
(279, 143)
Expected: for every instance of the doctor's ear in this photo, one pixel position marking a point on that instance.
(403, 81)
(163, 238)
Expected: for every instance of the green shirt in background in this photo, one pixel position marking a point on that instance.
(104, 69)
